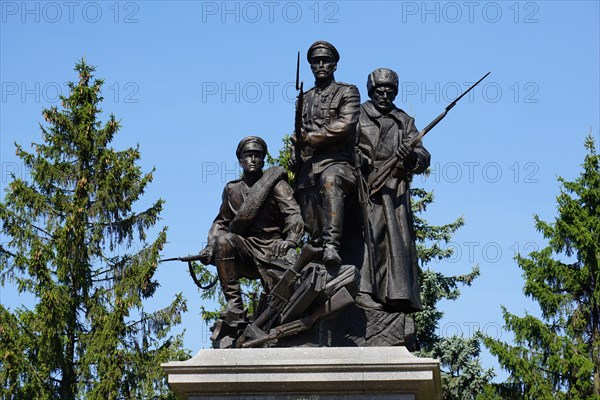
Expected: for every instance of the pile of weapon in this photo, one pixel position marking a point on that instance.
(306, 292)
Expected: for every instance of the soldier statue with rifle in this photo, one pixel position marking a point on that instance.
(391, 152)
(259, 222)
(385, 131)
(324, 139)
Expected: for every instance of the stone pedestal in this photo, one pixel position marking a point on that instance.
(307, 373)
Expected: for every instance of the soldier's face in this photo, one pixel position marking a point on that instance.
(323, 67)
(383, 98)
(252, 161)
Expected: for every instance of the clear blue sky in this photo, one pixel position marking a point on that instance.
(189, 79)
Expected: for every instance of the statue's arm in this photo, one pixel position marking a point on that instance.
(364, 144)
(294, 225)
(222, 220)
(421, 159)
(343, 125)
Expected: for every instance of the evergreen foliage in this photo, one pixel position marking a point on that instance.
(558, 357)
(78, 246)
(463, 377)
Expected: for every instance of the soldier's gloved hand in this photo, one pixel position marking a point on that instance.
(407, 155)
(282, 248)
(404, 150)
(310, 138)
(206, 255)
(306, 138)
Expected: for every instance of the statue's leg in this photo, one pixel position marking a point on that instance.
(372, 275)
(230, 284)
(231, 255)
(336, 183)
(333, 224)
(310, 206)
(226, 263)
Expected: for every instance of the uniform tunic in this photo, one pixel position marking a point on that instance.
(277, 219)
(329, 118)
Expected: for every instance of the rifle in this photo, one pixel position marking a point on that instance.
(379, 176)
(298, 119)
(189, 260)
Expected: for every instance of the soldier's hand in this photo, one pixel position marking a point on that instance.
(282, 248)
(310, 138)
(407, 155)
(404, 150)
(306, 138)
(206, 255)
(293, 162)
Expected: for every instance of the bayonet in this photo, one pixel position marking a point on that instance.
(298, 118)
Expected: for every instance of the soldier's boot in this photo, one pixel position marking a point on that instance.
(365, 300)
(333, 224)
(230, 284)
(232, 320)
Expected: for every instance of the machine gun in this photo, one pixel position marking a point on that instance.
(189, 260)
(378, 177)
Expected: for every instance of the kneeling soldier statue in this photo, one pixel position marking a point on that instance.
(258, 224)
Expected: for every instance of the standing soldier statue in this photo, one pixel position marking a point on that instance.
(385, 132)
(325, 137)
(392, 153)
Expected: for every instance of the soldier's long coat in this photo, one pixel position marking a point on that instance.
(396, 282)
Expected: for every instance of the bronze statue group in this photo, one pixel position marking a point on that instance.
(356, 278)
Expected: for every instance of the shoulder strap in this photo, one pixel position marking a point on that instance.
(255, 199)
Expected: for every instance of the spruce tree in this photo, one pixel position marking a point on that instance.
(463, 376)
(78, 246)
(558, 356)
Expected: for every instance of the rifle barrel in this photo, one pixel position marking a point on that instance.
(195, 257)
(169, 259)
(298, 72)
(429, 127)
(298, 119)
(467, 91)
(440, 117)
